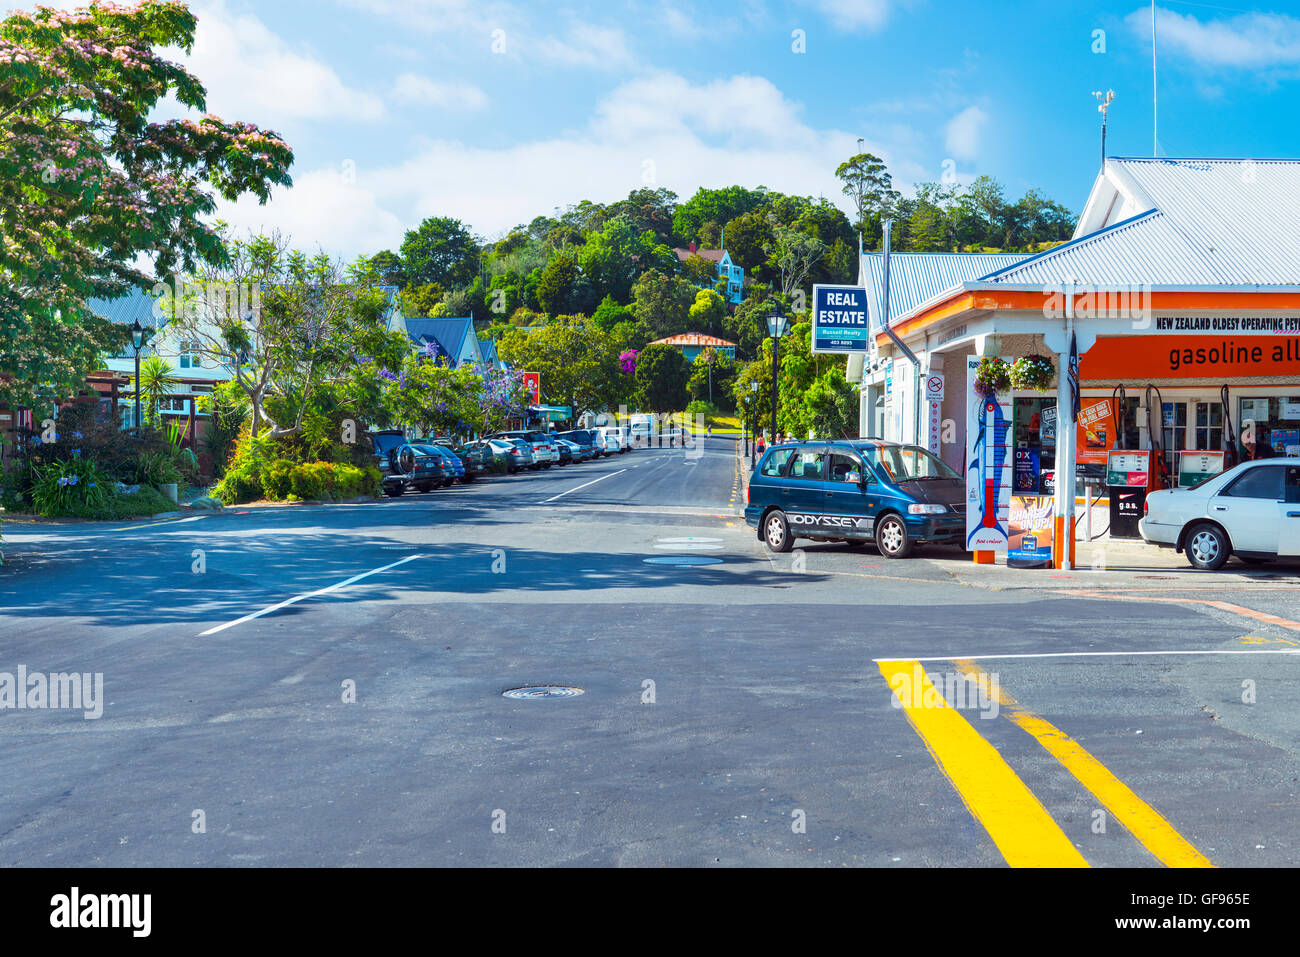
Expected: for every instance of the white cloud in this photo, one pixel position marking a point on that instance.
(963, 134)
(1252, 40)
(252, 73)
(587, 45)
(855, 14)
(413, 88)
(659, 131)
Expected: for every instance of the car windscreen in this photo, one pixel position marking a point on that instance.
(907, 463)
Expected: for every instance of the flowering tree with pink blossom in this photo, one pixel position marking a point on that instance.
(89, 186)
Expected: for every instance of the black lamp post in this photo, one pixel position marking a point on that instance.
(137, 340)
(777, 326)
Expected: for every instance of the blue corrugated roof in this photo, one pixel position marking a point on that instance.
(126, 310)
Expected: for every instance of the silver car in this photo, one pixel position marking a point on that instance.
(516, 453)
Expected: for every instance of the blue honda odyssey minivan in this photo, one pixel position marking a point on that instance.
(856, 491)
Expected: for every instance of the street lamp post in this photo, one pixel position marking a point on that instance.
(777, 326)
(137, 340)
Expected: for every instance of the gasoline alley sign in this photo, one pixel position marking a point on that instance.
(1191, 356)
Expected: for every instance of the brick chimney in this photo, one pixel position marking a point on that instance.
(692, 247)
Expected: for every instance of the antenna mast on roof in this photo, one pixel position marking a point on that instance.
(1103, 108)
(1154, 101)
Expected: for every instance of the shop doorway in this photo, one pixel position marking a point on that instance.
(1034, 431)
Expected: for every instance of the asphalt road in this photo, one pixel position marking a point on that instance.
(737, 712)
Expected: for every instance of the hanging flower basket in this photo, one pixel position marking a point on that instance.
(992, 375)
(1032, 372)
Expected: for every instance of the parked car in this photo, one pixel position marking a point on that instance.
(384, 446)
(579, 452)
(544, 451)
(856, 491)
(622, 434)
(611, 440)
(1251, 511)
(477, 459)
(515, 455)
(584, 440)
(454, 467)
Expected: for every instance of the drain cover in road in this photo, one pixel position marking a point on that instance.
(542, 691)
(690, 541)
(690, 547)
(683, 560)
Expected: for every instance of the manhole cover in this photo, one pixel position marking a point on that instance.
(683, 560)
(690, 547)
(542, 691)
(694, 540)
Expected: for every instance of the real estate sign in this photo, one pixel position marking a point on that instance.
(840, 321)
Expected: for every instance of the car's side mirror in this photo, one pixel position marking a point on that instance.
(855, 478)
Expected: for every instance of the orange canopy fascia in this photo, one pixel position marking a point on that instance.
(996, 300)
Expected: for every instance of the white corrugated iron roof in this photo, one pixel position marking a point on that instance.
(917, 278)
(1202, 222)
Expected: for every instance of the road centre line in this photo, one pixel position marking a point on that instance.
(581, 487)
(1144, 822)
(1096, 654)
(170, 521)
(312, 594)
(1023, 830)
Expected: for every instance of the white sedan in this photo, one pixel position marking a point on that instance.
(1251, 511)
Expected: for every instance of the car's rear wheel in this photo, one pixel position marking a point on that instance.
(1207, 547)
(776, 532)
(892, 538)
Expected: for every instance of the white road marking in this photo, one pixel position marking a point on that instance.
(170, 521)
(581, 487)
(1098, 654)
(311, 594)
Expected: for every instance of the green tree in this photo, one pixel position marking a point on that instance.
(661, 376)
(708, 313)
(440, 250)
(714, 206)
(419, 302)
(557, 286)
(747, 237)
(610, 313)
(794, 255)
(868, 184)
(577, 360)
(712, 376)
(157, 376)
(391, 269)
(90, 188)
(662, 302)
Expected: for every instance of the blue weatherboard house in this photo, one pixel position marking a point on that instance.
(733, 275)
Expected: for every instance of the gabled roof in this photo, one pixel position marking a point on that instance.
(1181, 222)
(712, 255)
(448, 334)
(916, 278)
(488, 349)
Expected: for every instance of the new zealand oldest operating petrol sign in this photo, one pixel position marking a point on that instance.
(840, 321)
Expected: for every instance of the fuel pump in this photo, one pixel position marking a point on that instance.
(1229, 436)
(1129, 477)
(1155, 433)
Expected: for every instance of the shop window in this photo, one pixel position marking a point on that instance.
(775, 463)
(1263, 482)
(1269, 426)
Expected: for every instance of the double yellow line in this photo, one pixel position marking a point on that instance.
(1023, 830)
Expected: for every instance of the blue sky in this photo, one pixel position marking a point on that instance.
(401, 109)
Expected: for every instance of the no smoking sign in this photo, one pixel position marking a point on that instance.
(934, 387)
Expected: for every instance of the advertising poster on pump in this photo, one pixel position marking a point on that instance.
(989, 466)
